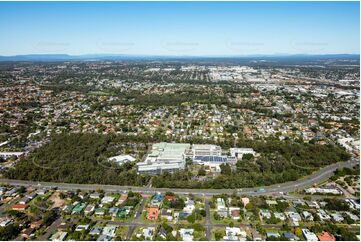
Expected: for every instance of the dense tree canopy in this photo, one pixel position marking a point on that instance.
(280, 161)
(80, 158)
(75, 158)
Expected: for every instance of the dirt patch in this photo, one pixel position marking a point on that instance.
(57, 201)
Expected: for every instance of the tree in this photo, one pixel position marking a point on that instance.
(21, 189)
(336, 204)
(9, 232)
(218, 235)
(202, 171)
(273, 219)
(247, 157)
(169, 193)
(226, 169)
(202, 212)
(49, 217)
(249, 206)
(298, 231)
(191, 218)
(177, 203)
(281, 206)
(198, 227)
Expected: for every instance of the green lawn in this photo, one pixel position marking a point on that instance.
(224, 221)
(218, 230)
(122, 232)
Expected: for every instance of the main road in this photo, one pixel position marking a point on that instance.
(305, 182)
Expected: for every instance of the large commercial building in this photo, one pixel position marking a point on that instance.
(171, 157)
(239, 152)
(164, 157)
(206, 150)
(209, 155)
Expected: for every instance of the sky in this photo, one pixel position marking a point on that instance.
(179, 28)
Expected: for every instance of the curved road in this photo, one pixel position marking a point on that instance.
(305, 182)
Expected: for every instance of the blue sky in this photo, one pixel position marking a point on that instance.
(179, 28)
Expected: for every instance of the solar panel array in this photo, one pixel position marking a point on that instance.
(210, 159)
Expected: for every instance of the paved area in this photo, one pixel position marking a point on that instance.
(136, 220)
(208, 223)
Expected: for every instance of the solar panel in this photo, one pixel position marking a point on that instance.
(211, 158)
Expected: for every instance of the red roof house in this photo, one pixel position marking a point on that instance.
(325, 236)
(153, 213)
(19, 207)
(170, 198)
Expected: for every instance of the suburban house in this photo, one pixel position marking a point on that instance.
(325, 236)
(153, 213)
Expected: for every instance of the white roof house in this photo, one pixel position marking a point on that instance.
(148, 233)
(294, 216)
(235, 234)
(336, 216)
(352, 216)
(186, 234)
(265, 213)
(58, 236)
(352, 203)
(280, 216)
(107, 199)
(81, 227)
(109, 230)
(5, 222)
(307, 215)
(309, 235)
(323, 215)
(189, 206)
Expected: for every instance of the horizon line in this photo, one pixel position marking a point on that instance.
(162, 55)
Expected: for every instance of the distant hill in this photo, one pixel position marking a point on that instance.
(119, 57)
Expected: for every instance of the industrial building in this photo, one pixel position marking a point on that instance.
(205, 150)
(239, 152)
(168, 157)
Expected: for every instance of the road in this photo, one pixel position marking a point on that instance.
(305, 182)
(208, 223)
(136, 219)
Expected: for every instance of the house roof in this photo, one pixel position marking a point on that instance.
(170, 197)
(166, 212)
(153, 212)
(27, 231)
(325, 236)
(235, 213)
(20, 206)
